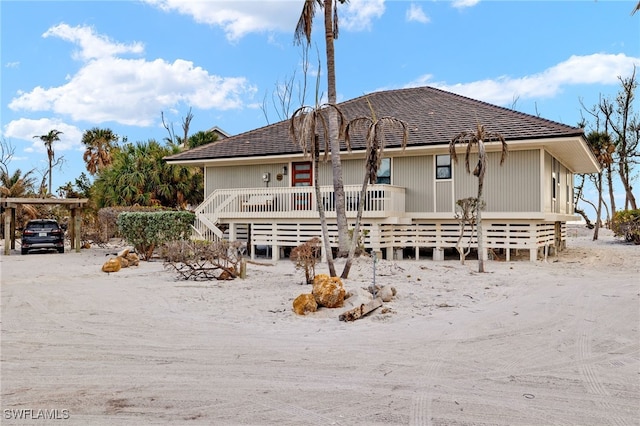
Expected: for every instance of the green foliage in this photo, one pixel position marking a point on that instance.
(626, 223)
(146, 230)
(139, 175)
(107, 219)
(201, 138)
(79, 189)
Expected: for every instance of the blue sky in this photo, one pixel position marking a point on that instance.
(76, 65)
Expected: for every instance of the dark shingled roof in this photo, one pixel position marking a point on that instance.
(433, 117)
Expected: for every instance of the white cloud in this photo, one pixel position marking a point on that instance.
(129, 91)
(416, 14)
(92, 45)
(25, 129)
(591, 69)
(460, 4)
(358, 14)
(238, 18)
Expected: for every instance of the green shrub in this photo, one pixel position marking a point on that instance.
(146, 230)
(626, 223)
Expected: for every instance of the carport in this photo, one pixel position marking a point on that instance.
(11, 204)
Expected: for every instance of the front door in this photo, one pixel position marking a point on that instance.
(302, 175)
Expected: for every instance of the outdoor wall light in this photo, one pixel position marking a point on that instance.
(284, 170)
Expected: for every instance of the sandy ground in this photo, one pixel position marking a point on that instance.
(544, 343)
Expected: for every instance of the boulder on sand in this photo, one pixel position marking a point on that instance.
(112, 265)
(305, 303)
(328, 291)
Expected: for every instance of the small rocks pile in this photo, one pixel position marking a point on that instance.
(329, 292)
(124, 259)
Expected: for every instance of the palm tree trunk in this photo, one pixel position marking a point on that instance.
(321, 212)
(356, 228)
(338, 183)
(479, 228)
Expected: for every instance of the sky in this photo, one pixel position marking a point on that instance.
(123, 65)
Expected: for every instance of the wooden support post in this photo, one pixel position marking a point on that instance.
(72, 228)
(13, 228)
(78, 233)
(7, 234)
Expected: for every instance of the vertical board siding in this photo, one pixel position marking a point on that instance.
(249, 176)
(512, 187)
(417, 175)
(444, 196)
(548, 179)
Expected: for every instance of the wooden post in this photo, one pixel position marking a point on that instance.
(72, 228)
(13, 228)
(7, 233)
(78, 224)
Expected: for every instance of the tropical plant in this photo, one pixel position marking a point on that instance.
(201, 138)
(99, 148)
(375, 139)
(49, 139)
(303, 32)
(303, 127)
(470, 138)
(139, 175)
(18, 185)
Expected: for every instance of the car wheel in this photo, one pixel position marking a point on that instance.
(24, 251)
(61, 250)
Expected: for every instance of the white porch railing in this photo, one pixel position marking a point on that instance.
(293, 202)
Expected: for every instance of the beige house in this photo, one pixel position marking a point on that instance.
(258, 184)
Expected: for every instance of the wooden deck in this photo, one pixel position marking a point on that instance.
(287, 217)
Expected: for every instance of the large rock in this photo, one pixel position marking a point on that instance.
(328, 291)
(112, 265)
(305, 303)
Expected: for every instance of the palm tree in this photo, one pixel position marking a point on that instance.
(470, 138)
(139, 175)
(99, 146)
(375, 143)
(18, 185)
(303, 31)
(201, 138)
(49, 139)
(303, 127)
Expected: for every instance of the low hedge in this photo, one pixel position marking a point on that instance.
(146, 230)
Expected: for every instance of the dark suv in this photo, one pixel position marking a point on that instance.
(42, 234)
